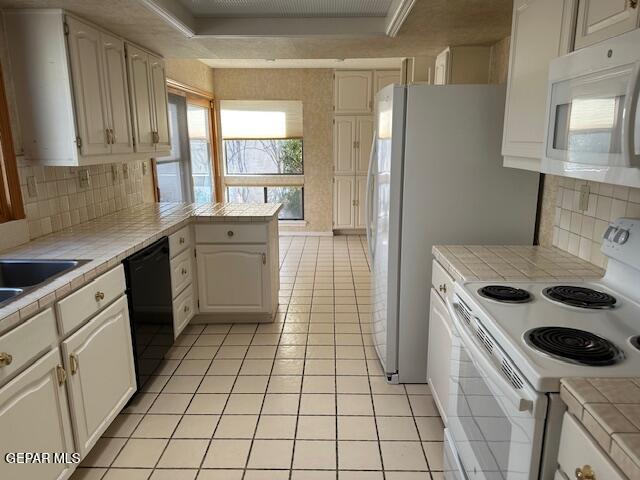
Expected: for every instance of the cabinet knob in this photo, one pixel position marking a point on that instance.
(99, 296)
(5, 359)
(230, 233)
(443, 288)
(585, 473)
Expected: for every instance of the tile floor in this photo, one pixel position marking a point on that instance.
(301, 398)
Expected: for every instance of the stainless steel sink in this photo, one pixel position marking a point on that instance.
(20, 276)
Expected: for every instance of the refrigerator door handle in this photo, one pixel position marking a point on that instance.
(368, 198)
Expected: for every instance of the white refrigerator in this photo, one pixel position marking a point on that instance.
(435, 177)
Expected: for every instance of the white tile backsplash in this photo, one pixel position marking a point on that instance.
(580, 231)
(61, 202)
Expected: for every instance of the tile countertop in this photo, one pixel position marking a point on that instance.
(609, 408)
(513, 262)
(106, 241)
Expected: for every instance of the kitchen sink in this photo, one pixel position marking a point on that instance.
(20, 276)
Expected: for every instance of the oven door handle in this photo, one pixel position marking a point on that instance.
(483, 363)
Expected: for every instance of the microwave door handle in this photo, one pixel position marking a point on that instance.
(483, 364)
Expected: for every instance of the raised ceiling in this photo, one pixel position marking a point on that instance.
(430, 26)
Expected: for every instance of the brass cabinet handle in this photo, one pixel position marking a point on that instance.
(443, 288)
(113, 136)
(5, 359)
(99, 296)
(585, 473)
(73, 363)
(108, 135)
(181, 241)
(230, 233)
(184, 271)
(264, 258)
(61, 373)
(186, 308)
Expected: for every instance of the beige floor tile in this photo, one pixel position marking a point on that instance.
(262, 352)
(171, 403)
(251, 384)
(290, 338)
(417, 389)
(244, 404)
(207, 340)
(140, 453)
(123, 425)
(430, 428)
(423, 406)
(352, 384)
(319, 384)
(266, 339)
(357, 428)
(104, 452)
(358, 455)
(207, 403)
(349, 404)
(88, 473)
(410, 476)
(281, 404)
(315, 366)
(397, 428)
(238, 339)
(350, 352)
(174, 474)
(225, 367)
(155, 383)
(434, 454)
(201, 353)
(271, 454)
(312, 475)
(391, 405)
(353, 475)
(317, 404)
(236, 426)
(288, 367)
(243, 328)
(276, 427)
(351, 367)
(216, 384)
(266, 475)
(285, 384)
(322, 427)
(156, 426)
(193, 367)
(256, 367)
(232, 351)
(318, 455)
(196, 426)
(127, 474)
(379, 385)
(321, 351)
(220, 474)
(181, 453)
(291, 352)
(227, 454)
(403, 456)
(183, 384)
(140, 403)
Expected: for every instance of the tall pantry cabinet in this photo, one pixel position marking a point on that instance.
(353, 133)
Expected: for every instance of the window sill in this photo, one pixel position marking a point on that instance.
(264, 180)
(292, 223)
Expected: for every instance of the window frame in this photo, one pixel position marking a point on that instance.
(11, 206)
(228, 174)
(264, 196)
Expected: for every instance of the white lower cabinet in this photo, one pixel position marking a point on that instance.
(349, 201)
(439, 352)
(34, 417)
(233, 278)
(101, 374)
(361, 202)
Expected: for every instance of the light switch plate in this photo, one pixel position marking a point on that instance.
(32, 186)
(583, 203)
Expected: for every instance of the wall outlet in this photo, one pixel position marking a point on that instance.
(32, 186)
(83, 178)
(125, 170)
(583, 203)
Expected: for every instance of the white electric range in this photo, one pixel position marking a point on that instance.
(512, 344)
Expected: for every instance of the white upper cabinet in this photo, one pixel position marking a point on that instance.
(382, 78)
(602, 19)
(72, 92)
(441, 70)
(344, 144)
(344, 196)
(353, 92)
(463, 65)
(541, 30)
(364, 142)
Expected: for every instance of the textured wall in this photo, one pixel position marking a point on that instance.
(190, 72)
(314, 87)
(499, 66)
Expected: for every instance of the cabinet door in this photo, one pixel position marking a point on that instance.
(139, 67)
(352, 92)
(439, 353)
(541, 31)
(99, 360)
(233, 278)
(364, 140)
(441, 71)
(343, 202)
(85, 57)
(34, 417)
(344, 144)
(361, 202)
(115, 76)
(160, 103)
(382, 78)
(602, 19)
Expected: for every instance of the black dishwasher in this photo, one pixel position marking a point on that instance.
(148, 275)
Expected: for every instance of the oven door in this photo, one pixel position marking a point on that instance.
(496, 426)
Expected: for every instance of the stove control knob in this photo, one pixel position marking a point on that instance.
(610, 233)
(621, 237)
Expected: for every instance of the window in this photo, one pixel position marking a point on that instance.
(10, 197)
(292, 198)
(263, 139)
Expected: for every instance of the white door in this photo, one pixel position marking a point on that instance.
(85, 57)
(540, 33)
(439, 352)
(115, 75)
(101, 372)
(602, 19)
(441, 73)
(138, 66)
(233, 278)
(360, 220)
(364, 139)
(343, 201)
(353, 92)
(160, 103)
(344, 144)
(382, 78)
(34, 417)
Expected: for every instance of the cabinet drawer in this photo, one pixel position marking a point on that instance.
(84, 303)
(183, 310)
(180, 241)
(578, 448)
(442, 281)
(181, 272)
(231, 233)
(23, 344)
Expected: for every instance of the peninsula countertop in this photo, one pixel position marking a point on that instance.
(107, 240)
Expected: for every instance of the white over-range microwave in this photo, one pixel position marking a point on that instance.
(593, 118)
